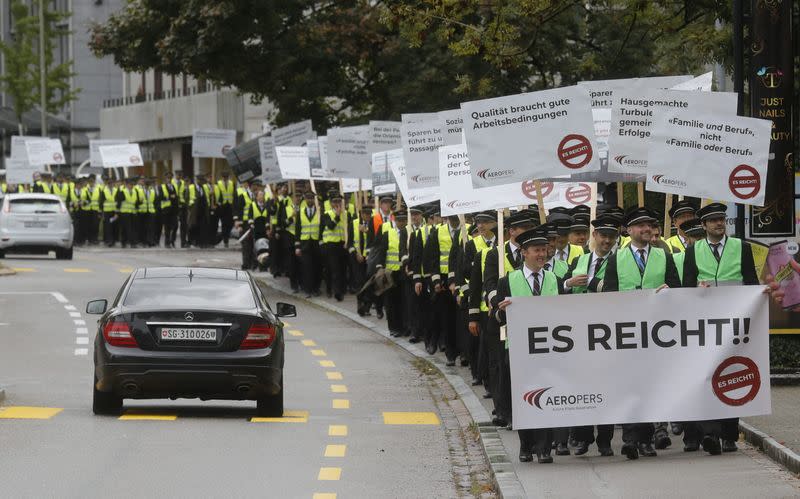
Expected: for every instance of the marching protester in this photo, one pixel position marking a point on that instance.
(168, 209)
(225, 192)
(334, 230)
(680, 212)
(392, 254)
(308, 249)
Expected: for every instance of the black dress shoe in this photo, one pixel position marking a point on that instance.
(711, 445)
(464, 362)
(450, 363)
(431, 349)
(510, 426)
(562, 449)
(339, 297)
(729, 446)
(525, 456)
(487, 395)
(662, 441)
(498, 421)
(606, 451)
(581, 448)
(690, 446)
(476, 382)
(629, 451)
(676, 428)
(544, 458)
(413, 339)
(646, 450)
(379, 313)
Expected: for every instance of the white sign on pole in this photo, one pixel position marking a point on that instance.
(710, 155)
(94, 149)
(602, 91)
(383, 136)
(702, 83)
(270, 172)
(18, 150)
(352, 185)
(534, 135)
(19, 171)
(212, 142)
(121, 155)
(698, 354)
(412, 197)
(633, 116)
(347, 152)
(293, 162)
(44, 151)
(421, 138)
(295, 134)
(452, 125)
(383, 181)
(323, 153)
(459, 197)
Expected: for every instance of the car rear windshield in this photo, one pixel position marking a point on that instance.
(180, 292)
(35, 205)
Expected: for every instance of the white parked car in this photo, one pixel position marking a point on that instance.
(35, 223)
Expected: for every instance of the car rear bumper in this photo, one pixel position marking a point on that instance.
(56, 239)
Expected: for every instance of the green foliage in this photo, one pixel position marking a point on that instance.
(784, 351)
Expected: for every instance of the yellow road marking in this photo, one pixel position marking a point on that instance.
(141, 416)
(329, 474)
(286, 324)
(76, 270)
(333, 375)
(309, 343)
(410, 418)
(324, 495)
(339, 388)
(341, 404)
(295, 332)
(327, 363)
(21, 412)
(24, 269)
(288, 417)
(125, 271)
(335, 450)
(318, 353)
(337, 430)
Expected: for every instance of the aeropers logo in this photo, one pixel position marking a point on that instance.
(419, 179)
(489, 174)
(541, 399)
(458, 204)
(661, 179)
(622, 161)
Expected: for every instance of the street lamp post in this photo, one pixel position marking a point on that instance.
(42, 69)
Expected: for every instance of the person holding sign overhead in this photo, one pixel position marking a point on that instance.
(639, 265)
(529, 280)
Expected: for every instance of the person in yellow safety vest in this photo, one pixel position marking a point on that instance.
(564, 253)
(579, 230)
(334, 230)
(127, 207)
(111, 217)
(244, 196)
(197, 212)
(307, 248)
(287, 230)
(42, 183)
(278, 260)
(246, 238)
(680, 212)
(498, 375)
(183, 203)
(392, 251)
(418, 305)
(90, 205)
(61, 189)
(141, 212)
(530, 280)
(149, 222)
(226, 191)
(693, 231)
(359, 243)
(168, 204)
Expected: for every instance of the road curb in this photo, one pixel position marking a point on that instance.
(776, 451)
(2, 394)
(784, 379)
(505, 478)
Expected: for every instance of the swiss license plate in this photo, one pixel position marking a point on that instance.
(188, 334)
(35, 225)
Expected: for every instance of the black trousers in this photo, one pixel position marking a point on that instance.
(211, 228)
(726, 429)
(311, 263)
(634, 433)
(110, 229)
(335, 261)
(276, 257)
(183, 226)
(483, 355)
(169, 221)
(141, 228)
(473, 344)
(247, 251)
(502, 399)
(128, 228)
(93, 225)
(539, 441)
(605, 432)
(79, 226)
(287, 241)
(358, 276)
(225, 212)
(490, 334)
(394, 302)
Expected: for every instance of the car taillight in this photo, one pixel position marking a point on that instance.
(258, 336)
(118, 334)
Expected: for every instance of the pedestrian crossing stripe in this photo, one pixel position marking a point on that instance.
(308, 343)
(333, 375)
(327, 363)
(410, 418)
(339, 388)
(324, 495)
(75, 270)
(340, 404)
(295, 332)
(329, 473)
(22, 412)
(318, 353)
(125, 271)
(288, 417)
(337, 430)
(23, 269)
(335, 450)
(134, 415)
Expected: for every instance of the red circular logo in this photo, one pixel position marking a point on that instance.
(744, 181)
(57, 157)
(575, 151)
(579, 194)
(226, 149)
(736, 381)
(134, 160)
(529, 189)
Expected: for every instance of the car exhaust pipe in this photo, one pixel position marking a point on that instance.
(243, 389)
(130, 387)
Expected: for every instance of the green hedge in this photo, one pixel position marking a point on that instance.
(784, 351)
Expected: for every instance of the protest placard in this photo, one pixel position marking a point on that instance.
(44, 151)
(94, 149)
(347, 152)
(18, 150)
(452, 125)
(19, 171)
(602, 91)
(499, 136)
(212, 142)
(293, 162)
(383, 136)
(296, 134)
(270, 172)
(697, 354)
(702, 83)
(633, 115)
(710, 155)
(383, 181)
(353, 185)
(245, 162)
(412, 197)
(421, 138)
(121, 155)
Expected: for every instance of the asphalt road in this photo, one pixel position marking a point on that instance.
(337, 439)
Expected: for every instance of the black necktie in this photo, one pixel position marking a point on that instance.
(536, 287)
(643, 259)
(517, 257)
(715, 250)
(597, 265)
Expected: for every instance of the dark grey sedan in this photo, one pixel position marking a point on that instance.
(181, 332)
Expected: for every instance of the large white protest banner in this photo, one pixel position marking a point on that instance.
(347, 152)
(452, 125)
(459, 197)
(44, 151)
(94, 149)
(383, 136)
(296, 134)
(19, 171)
(678, 355)
(708, 155)
(411, 196)
(383, 181)
(270, 172)
(421, 137)
(533, 135)
(212, 142)
(293, 162)
(633, 116)
(18, 150)
(121, 155)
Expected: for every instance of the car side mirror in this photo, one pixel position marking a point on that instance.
(285, 310)
(97, 307)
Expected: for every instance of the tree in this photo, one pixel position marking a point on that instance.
(22, 76)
